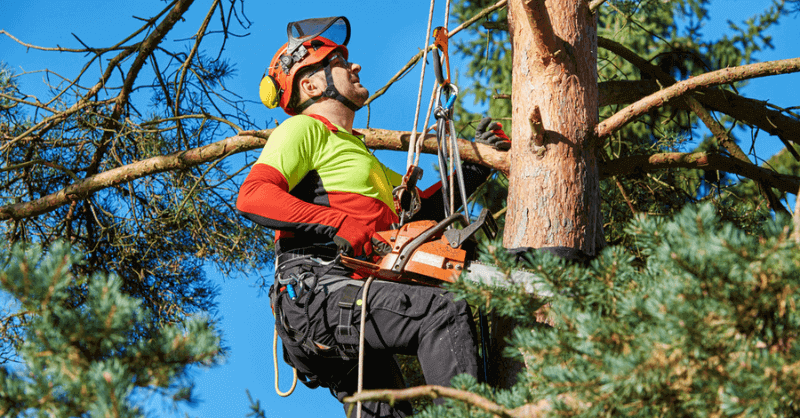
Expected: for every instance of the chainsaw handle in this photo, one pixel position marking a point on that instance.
(405, 253)
(485, 222)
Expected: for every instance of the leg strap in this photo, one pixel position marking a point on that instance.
(346, 332)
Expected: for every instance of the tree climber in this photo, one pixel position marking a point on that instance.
(324, 193)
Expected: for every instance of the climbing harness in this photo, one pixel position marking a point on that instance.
(297, 278)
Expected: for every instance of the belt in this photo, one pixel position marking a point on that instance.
(322, 253)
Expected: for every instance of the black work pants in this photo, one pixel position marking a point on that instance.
(402, 319)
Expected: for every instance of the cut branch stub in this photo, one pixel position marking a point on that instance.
(537, 132)
(541, 29)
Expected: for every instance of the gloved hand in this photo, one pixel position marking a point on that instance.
(491, 133)
(356, 239)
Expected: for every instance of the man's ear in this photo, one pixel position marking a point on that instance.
(310, 87)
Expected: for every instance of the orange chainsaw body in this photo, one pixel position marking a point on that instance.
(431, 262)
(424, 252)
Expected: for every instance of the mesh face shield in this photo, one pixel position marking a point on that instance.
(335, 29)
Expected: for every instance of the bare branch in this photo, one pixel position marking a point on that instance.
(199, 38)
(147, 47)
(41, 48)
(714, 78)
(418, 56)
(595, 4)
(432, 391)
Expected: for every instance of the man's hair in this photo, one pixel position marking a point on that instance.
(303, 73)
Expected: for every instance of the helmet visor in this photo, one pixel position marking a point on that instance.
(336, 29)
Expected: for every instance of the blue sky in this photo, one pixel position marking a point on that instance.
(385, 34)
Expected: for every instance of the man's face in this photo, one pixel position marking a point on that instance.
(346, 80)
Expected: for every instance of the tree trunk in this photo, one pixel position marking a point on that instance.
(554, 182)
(554, 197)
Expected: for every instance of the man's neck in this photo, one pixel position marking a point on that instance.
(335, 112)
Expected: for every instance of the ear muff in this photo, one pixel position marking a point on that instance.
(269, 92)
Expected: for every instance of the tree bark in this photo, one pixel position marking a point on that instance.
(554, 197)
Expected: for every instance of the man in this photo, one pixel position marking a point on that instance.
(324, 193)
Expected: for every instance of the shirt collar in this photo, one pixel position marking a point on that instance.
(331, 127)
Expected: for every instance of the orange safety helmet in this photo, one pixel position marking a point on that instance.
(311, 41)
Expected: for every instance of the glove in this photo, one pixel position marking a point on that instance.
(491, 133)
(356, 239)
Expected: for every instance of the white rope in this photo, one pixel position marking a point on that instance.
(361, 341)
(412, 145)
(446, 14)
(275, 363)
(418, 147)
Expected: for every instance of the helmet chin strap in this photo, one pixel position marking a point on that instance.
(330, 92)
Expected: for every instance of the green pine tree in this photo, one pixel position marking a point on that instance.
(89, 360)
(704, 325)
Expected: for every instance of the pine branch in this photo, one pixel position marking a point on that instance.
(723, 137)
(753, 112)
(244, 141)
(379, 139)
(181, 160)
(145, 49)
(700, 160)
(714, 78)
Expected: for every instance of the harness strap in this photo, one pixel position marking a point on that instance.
(345, 332)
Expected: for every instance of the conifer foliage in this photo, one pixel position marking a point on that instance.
(705, 324)
(88, 360)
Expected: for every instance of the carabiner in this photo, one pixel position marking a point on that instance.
(452, 93)
(441, 36)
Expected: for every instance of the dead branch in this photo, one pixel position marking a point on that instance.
(432, 391)
(198, 38)
(595, 4)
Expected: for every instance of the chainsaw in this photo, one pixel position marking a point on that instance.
(427, 252)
